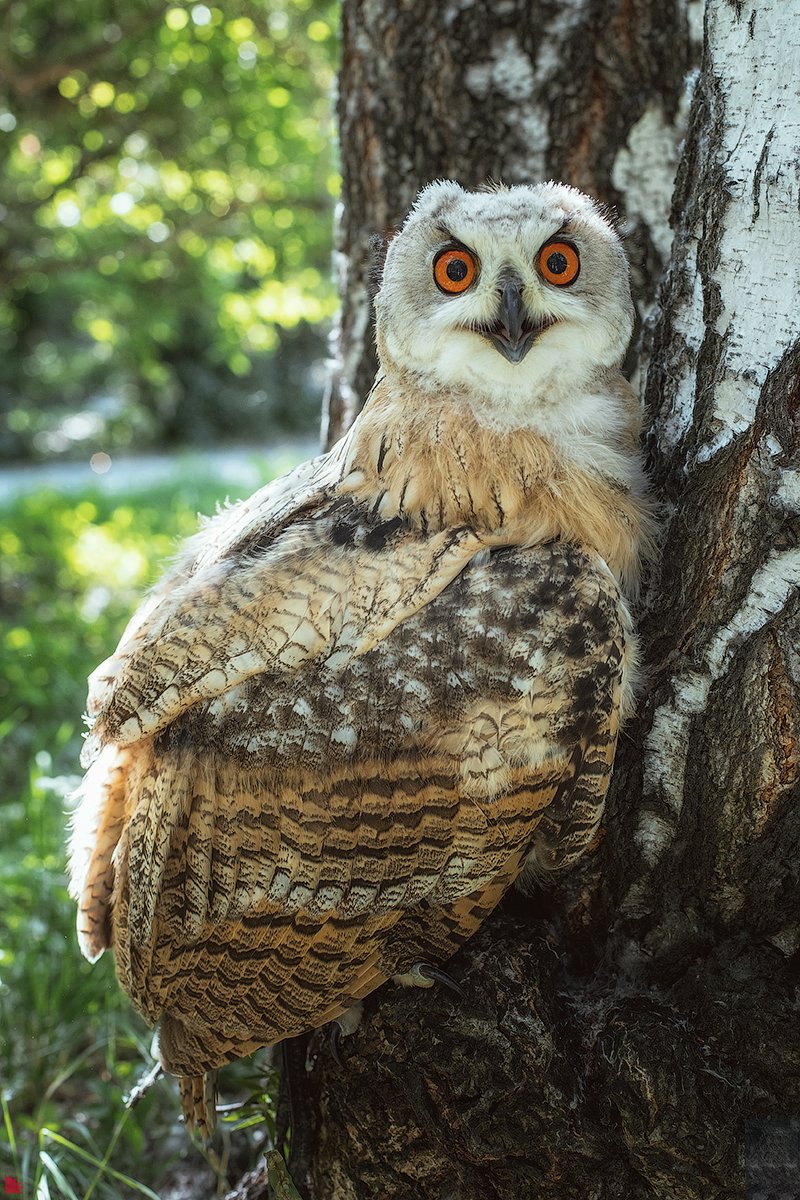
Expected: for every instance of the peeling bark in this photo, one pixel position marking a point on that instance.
(587, 91)
(623, 1034)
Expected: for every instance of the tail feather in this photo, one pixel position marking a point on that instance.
(199, 1103)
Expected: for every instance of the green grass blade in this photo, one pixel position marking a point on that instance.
(9, 1130)
(52, 1168)
(51, 1135)
(104, 1165)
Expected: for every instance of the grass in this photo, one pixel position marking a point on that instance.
(72, 569)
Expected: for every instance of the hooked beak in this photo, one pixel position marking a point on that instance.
(512, 333)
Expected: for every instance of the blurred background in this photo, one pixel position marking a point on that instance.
(167, 182)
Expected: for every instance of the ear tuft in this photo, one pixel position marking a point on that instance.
(435, 198)
(492, 186)
(611, 215)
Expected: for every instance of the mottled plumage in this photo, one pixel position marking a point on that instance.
(365, 698)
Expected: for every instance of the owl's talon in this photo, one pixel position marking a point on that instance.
(432, 972)
(294, 1117)
(425, 974)
(342, 1026)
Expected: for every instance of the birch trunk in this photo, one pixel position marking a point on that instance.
(630, 1033)
(587, 91)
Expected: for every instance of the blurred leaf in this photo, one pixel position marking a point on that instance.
(166, 216)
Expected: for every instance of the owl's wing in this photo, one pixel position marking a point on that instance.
(287, 830)
(316, 578)
(300, 574)
(255, 519)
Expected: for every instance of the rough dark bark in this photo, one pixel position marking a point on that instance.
(624, 1034)
(586, 91)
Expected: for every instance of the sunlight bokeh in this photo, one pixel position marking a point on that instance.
(165, 228)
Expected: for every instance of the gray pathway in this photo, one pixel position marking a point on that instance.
(239, 466)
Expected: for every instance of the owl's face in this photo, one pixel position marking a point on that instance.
(505, 293)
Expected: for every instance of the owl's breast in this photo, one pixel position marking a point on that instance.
(437, 467)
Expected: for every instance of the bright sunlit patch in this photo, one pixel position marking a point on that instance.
(121, 203)
(95, 602)
(103, 93)
(201, 15)
(79, 426)
(68, 213)
(100, 462)
(318, 31)
(240, 29)
(176, 18)
(69, 87)
(101, 329)
(136, 145)
(98, 554)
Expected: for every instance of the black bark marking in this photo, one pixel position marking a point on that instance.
(759, 171)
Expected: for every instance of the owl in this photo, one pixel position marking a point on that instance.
(369, 698)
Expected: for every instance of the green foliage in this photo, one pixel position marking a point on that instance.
(166, 217)
(71, 572)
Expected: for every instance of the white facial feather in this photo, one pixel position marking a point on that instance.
(432, 334)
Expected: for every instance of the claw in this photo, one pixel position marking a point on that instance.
(428, 971)
(342, 1026)
(424, 974)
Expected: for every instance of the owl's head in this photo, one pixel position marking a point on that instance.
(506, 291)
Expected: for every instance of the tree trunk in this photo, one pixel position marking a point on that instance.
(630, 1032)
(587, 91)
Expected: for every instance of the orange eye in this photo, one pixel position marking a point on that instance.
(454, 270)
(559, 263)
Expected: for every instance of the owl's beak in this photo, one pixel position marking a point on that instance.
(511, 334)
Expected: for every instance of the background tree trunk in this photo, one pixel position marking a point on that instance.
(627, 1033)
(591, 92)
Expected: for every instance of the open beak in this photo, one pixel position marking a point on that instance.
(512, 333)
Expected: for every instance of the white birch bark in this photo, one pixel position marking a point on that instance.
(722, 391)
